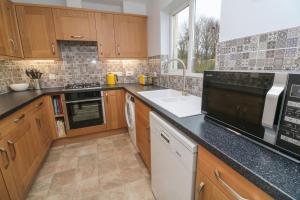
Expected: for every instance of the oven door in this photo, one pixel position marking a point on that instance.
(84, 113)
(237, 99)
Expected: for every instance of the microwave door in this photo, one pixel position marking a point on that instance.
(236, 99)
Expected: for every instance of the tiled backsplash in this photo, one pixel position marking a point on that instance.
(80, 62)
(278, 50)
(193, 84)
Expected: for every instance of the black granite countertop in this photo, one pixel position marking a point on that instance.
(273, 173)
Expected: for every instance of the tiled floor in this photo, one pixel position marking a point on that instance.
(106, 168)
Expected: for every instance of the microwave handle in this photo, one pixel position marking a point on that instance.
(272, 98)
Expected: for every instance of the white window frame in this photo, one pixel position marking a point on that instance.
(192, 10)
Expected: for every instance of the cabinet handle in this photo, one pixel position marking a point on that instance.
(13, 45)
(236, 195)
(39, 105)
(77, 36)
(53, 48)
(2, 151)
(38, 123)
(11, 145)
(200, 189)
(118, 50)
(101, 49)
(17, 120)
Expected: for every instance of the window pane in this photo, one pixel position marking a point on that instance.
(181, 36)
(206, 34)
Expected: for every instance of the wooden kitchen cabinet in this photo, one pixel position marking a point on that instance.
(10, 44)
(115, 109)
(44, 127)
(74, 25)
(206, 190)
(21, 145)
(37, 32)
(3, 190)
(143, 131)
(131, 36)
(212, 173)
(105, 35)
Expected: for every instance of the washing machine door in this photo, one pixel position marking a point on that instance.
(129, 114)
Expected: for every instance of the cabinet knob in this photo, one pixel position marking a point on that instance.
(77, 36)
(101, 49)
(11, 145)
(17, 120)
(53, 48)
(13, 45)
(201, 187)
(236, 195)
(6, 159)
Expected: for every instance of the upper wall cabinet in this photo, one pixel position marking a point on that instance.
(105, 35)
(131, 36)
(10, 44)
(74, 25)
(37, 32)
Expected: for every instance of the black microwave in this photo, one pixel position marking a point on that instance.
(262, 106)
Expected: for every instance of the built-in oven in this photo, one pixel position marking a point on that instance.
(84, 108)
(255, 105)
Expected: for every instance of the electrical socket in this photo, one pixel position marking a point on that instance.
(118, 73)
(52, 76)
(129, 73)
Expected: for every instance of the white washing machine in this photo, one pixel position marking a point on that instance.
(130, 117)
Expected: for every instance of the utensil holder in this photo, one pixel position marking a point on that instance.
(36, 84)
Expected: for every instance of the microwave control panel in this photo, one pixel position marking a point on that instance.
(289, 127)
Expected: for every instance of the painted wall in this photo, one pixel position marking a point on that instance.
(135, 7)
(250, 17)
(126, 6)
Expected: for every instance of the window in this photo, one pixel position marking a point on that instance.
(195, 34)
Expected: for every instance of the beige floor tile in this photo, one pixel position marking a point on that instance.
(107, 168)
(63, 178)
(111, 181)
(87, 160)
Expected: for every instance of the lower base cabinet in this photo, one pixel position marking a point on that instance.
(24, 141)
(115, 109)
(217, 181)
(143, 131)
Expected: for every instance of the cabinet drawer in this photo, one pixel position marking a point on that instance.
(225, 177)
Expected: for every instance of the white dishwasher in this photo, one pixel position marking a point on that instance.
(173, 161)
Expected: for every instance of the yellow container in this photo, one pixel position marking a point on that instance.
(145, 79)
(111, 79)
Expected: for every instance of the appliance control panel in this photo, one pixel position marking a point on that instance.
(289, 127)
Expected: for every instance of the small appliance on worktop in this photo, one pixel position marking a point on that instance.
(261, 106)
(111, 79)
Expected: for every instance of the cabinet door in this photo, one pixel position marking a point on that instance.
(10, 44)
(105, 35)
(143, 131)
(44, 128)
(131, 36)
(206, 190)
(23, 152)
(37, 32)
(5, 162)
(115, 109)
(74, 25)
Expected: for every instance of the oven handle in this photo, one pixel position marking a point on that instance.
(87, 100)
